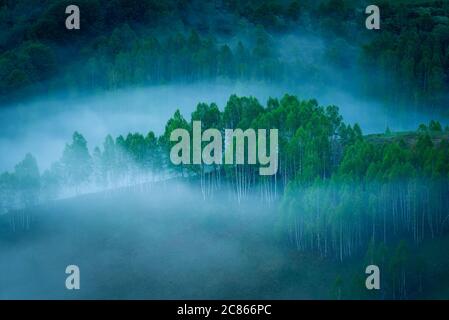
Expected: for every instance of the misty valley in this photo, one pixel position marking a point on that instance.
(257, 149)
(326, 208)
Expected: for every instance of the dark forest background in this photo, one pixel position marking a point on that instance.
(127, 43)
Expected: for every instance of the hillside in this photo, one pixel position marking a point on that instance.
(134, 244)
(138, 43)
(410, 138)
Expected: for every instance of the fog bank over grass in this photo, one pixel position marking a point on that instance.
(43, 126)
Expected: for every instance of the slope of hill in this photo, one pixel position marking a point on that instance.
(166, 242)
(129, 43)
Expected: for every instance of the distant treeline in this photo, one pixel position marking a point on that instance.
(123, 43)
(177, 58)
(412, 49)
(126, 43)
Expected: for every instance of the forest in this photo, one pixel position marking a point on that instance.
(128, 43)
(363, 149)
(341, 194)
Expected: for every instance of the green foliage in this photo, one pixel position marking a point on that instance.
(123, 43)
(126, 43)
(22, 187)
(379, 192)
(27, 180)
(412, 52)
(342, 194)
(76, 161)
(31, 63)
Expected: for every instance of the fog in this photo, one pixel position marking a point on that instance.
(137, 230)
(324, 69)
(163, 242)
(45, 125)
